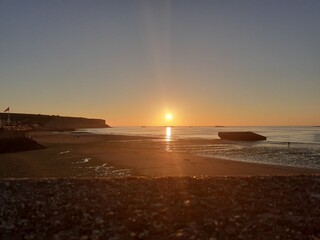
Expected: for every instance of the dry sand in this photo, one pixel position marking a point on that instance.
(82, 155)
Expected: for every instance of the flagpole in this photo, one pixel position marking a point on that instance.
(8, 120)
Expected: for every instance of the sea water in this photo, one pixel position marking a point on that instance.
(303, 149)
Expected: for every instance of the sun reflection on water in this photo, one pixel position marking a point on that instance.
(168, 139)
(168, 134)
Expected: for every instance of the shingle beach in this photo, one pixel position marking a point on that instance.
(275, 207)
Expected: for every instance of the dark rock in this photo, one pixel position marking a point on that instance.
(20, 144)
(241, 136)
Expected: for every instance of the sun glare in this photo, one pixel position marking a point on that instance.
(168, 134)
(168, 116)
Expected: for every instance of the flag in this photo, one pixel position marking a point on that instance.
(7, 110)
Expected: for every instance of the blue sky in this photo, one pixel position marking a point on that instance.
(130, 62)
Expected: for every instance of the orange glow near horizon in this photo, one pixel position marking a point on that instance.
(199, 115)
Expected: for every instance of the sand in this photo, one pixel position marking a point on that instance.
(154, 192)
(88, 155)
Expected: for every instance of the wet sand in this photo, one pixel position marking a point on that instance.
(82, 155)
(88, 155)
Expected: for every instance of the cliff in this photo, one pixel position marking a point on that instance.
(53, 122)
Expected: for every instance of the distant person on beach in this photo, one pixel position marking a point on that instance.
(288, 144)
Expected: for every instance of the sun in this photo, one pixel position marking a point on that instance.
(168, 116)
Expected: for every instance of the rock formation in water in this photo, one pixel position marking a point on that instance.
(241, 136)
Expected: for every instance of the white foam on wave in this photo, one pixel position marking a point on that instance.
(85, 160)
(64, 152)
(307, 156)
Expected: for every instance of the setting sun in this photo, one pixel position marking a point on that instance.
(168, 116)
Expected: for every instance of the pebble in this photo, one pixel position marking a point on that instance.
(278, 207)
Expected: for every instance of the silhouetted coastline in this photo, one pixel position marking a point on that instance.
(53, 122)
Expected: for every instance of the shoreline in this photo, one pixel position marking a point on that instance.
(93, 155)
(166, 195)
(271, 132)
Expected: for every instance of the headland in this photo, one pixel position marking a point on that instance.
(52, 122)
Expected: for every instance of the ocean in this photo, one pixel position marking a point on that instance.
(304, 149)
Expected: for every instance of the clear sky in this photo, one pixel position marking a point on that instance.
(214, 62)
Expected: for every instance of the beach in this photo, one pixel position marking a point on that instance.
(87, 186)
(274, 207)
(90, 155)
